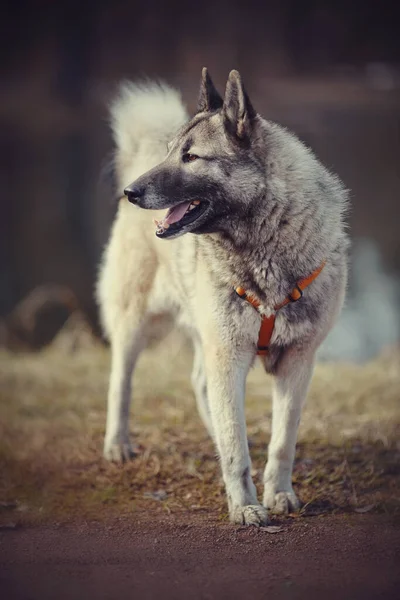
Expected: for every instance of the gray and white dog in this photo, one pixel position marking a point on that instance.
(247, 205)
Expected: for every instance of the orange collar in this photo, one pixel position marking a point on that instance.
(267, 323)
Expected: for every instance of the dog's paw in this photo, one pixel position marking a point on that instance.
(119, 452)
(281, 503)
(253, 514)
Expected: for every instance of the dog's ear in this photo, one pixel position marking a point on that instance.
(209, 98)
(237, 110)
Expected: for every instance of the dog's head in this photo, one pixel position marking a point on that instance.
(211, 173)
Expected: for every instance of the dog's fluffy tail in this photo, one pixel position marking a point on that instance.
(144, 118)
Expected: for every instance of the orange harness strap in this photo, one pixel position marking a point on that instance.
(267, 323)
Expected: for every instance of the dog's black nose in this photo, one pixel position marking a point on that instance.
(134, 193)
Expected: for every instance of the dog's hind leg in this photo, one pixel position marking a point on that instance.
(125, 286)
(126, 343)
(290, 389)
(199, 382)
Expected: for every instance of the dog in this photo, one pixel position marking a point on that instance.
(248, 252)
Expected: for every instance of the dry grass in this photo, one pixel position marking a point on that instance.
(52, 415)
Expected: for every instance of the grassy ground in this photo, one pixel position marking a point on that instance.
(52, 416)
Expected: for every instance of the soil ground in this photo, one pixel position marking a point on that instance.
(353, 558)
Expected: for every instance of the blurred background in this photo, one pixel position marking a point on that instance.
(330, 71)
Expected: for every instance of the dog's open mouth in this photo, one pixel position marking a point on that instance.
(178, 216)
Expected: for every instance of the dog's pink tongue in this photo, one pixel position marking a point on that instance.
(175, 214)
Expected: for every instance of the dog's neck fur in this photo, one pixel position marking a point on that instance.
(293, 228)
(267, 268)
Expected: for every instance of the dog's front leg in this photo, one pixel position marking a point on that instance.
(226, 378)
(290, 389)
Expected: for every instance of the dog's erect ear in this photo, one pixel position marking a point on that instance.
(209, 98)
(237, 110)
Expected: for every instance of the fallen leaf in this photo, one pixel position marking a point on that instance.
(7, 505)
(364, 509)
(271, 529)
(159, 495)
(8, 526)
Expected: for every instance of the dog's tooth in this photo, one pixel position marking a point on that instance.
(196, 202)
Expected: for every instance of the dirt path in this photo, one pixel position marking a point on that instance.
(338, 557)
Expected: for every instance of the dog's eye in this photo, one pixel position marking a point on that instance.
(189, 157)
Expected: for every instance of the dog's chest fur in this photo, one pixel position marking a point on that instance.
(195, 280)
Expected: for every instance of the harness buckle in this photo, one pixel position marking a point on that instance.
(262, 350)
(295, 294)
(241, 293)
